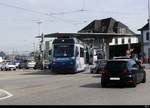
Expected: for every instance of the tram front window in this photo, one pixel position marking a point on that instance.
(63, 50)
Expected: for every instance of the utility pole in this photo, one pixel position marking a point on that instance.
(34, 50)
(149, 15)
(39, 24)
(42, 50)
(41, 46)
(39, 30)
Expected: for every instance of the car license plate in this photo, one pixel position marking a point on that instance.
(114, 78)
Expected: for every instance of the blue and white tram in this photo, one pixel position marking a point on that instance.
(68, 55)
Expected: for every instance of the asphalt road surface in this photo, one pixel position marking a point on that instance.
(30, 87)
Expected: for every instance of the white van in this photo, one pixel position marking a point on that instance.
(30, 64)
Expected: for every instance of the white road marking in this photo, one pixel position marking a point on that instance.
(7, 93)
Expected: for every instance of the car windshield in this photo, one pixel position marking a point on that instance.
(63, 50)
(11, 63)
(30, 61)
(116, 65)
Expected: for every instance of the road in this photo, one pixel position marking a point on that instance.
(30, 87)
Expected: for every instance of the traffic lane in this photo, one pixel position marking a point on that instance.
(81, 89)
(87, 85)
(93, 94)
(35, 86)
(89, 94)
(34, 79)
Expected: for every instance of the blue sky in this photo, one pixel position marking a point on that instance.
(19, 26)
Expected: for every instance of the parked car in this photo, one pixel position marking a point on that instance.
(1, 63)
(17, 64)
(30, 64)
(124, 72)
(39, 65)
(8, 66)
(99, 66)
(22, 64)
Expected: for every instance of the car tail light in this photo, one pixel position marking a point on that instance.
(105, 72)
(125, 72)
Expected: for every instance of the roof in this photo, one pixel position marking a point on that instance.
(88, 35)
(108, 25)
(104, 28)
(145, 27)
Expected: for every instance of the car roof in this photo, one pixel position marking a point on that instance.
(121, 60)
(121, 57)
(102, 60)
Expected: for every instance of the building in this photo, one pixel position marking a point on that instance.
(48, 47)
(145, 40)
(119, 45)
(100, 33)
(1, 59)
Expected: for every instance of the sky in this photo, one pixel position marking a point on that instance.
(19, 27)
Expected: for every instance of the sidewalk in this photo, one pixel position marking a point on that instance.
(147, 66)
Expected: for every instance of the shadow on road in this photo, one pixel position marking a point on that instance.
(46, 72)
(40, 72)
(98, 85)
(86, 72)
(92, 85)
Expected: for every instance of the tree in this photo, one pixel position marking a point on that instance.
(2, 54)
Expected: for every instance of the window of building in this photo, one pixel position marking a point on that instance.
(116, 41)
(122, 40)
(147, 36)
(129, 40)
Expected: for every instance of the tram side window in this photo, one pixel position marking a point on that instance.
(77, 52)
(50, 52)
(81, 52)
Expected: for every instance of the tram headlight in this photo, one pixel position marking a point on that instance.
(54, 60)
(71, 63)
(72, 58)
(53, 63)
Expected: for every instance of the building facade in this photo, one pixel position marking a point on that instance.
(99, 34)
(145, 41)
(123, 41)
(121, 44)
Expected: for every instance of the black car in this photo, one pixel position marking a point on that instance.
(22, 65)
(123, 72)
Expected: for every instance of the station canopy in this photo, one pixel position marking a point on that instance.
(104, 28)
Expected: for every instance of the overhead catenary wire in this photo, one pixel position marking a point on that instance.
(42, 13)
(21, 8)
(68, 12)
(55, 15)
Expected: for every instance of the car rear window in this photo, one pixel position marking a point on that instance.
(116, 65)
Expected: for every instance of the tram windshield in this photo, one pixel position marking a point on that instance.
(63, 50)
